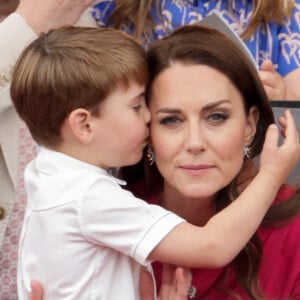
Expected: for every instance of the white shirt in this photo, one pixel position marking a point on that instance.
(84, 237)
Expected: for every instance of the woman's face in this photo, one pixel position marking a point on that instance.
(199, 129)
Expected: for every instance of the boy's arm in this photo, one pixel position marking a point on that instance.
(223, 237)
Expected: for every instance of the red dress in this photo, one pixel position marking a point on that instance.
(279, 273)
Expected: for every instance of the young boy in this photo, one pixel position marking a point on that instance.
(81, 93)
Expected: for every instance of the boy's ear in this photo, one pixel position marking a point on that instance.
(252, 121)
(79, 123)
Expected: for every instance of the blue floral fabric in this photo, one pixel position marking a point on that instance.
(278, 42)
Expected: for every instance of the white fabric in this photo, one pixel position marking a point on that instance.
(83, 233)
(15, 35)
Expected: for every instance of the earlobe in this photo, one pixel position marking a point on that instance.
(252, 121)
(79, 122)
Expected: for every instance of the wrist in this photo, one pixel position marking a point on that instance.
(34, 22)
(269, 179)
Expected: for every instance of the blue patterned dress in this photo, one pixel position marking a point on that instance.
(280, 43)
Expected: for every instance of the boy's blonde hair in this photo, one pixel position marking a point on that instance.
(70, 68)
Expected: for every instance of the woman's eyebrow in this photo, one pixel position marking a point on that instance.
(212, 105)
(209, 106)
(169, 111)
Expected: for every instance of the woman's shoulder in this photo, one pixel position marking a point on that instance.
(285, 192)
(284, 236)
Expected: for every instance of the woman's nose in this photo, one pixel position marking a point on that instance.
(195, 138)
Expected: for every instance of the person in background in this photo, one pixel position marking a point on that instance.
(270, 29)
(17, 148)
(87, 122)
(201, 92)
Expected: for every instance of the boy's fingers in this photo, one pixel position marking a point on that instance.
(291, 131)
(272, 136)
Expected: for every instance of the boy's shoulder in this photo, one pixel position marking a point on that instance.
(53, 179)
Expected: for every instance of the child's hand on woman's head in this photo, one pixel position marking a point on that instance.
(281, 159)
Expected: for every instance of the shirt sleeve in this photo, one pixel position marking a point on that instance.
(113, 217)
(15, 35)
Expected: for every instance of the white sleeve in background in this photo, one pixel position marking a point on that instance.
(15, 35)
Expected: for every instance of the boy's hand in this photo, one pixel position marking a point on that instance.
(280, 160)
(175, 284)
(43, 15)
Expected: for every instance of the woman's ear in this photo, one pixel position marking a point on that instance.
(79, 123)
(252, 121)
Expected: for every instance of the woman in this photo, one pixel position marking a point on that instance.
(269, 28)
(208, 110)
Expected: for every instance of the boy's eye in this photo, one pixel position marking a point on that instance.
(137, 107)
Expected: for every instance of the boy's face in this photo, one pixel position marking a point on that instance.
(122, 128)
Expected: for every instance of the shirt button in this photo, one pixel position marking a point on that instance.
(2, 213)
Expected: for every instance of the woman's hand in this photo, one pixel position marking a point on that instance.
(175, 284)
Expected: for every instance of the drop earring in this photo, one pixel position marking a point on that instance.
(150, 155)
(247, 152)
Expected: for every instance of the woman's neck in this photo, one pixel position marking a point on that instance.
(195, 210)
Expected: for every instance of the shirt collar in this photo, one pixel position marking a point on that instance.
(50, 161)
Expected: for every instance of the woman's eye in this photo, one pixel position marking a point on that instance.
(218, 117)
(172, 120)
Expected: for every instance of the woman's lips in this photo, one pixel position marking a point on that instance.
(196, 169)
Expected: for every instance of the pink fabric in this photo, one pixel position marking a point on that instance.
(9, 251)
(279, 273)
